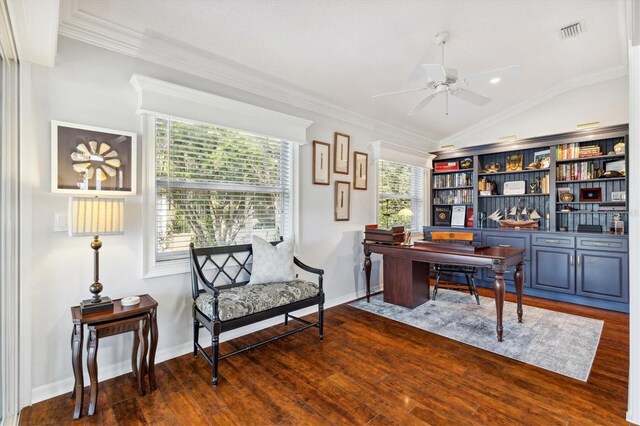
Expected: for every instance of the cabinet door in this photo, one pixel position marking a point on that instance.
(604, 275)
(553, 269)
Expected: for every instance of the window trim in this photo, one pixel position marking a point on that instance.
(158, 97)
(383, 150)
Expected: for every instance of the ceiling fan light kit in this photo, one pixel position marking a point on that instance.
(446, 80)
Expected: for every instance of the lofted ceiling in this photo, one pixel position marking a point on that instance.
(344, 51)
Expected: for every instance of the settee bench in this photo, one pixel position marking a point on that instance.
(223, 299)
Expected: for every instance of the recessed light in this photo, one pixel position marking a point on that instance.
(495, 80)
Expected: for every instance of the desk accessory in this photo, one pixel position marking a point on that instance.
(90, 217)
(391, 236)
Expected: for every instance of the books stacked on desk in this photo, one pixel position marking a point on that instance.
(373, 234)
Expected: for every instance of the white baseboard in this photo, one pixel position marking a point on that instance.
(60, 387)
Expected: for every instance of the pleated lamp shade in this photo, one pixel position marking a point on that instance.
(96, 216)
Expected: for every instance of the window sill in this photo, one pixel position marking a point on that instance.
(166, 268)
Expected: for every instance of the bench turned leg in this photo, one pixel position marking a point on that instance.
(214, 357)
(196, 336)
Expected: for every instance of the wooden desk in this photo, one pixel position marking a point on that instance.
(139, 319)
(406, 272)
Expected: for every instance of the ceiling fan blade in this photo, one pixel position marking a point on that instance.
(435, 72)
(423, 103)
(471, 97)
(486, 76)
(398, 92)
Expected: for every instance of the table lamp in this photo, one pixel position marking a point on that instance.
(406, 213)
(92, 217)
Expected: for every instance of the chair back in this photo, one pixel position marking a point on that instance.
(452, 237)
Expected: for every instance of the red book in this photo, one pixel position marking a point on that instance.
(469, 217)
(446, 166)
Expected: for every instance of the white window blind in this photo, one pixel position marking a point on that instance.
(400, 186)
(218, 186)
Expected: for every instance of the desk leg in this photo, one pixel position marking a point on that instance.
(367, 270)
(499, 291)
(152, 349)
(92, 366)
(76, 362)
(143, 332)
(519, 281)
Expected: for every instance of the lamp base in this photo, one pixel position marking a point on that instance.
(89, 307)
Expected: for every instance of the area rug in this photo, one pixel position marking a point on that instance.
(562, 343)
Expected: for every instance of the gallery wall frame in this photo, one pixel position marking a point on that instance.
(92, 160)
(341, 144)
(342, 200)
(321, 163)
(360, 170)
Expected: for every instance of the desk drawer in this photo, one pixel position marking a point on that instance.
(502, 240)
(553, 240)
(603, 244)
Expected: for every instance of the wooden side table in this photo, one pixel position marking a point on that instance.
(140, 319)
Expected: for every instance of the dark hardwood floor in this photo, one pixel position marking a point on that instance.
(369, 370)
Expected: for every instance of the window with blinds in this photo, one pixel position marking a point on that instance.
(218, 186)
(400, 195)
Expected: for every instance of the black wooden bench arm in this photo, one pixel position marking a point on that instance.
(305, 267)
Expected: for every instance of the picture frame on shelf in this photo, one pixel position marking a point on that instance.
(442, 216)
(360, 170)
(618, 196)
(591, 194)
(543, 158)
(564, 190)
(615, 166)
(514, 163)
(92, 160)
(341, 144)
(458, 216)
(342, 200)
(321, 163)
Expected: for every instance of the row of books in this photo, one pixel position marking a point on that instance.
(452, 180)
(572, 151)
(576, 171)
(454, 196)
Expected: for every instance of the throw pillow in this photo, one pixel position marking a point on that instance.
(271, 263)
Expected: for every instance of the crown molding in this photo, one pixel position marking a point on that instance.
(35, 30)
(607, 75)
(157, 49)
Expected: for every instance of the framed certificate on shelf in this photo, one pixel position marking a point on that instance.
(458, 216)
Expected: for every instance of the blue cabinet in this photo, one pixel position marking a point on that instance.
(586, 269)
(553, 269)
(603, 275)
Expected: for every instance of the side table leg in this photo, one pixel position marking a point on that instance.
(134, 355)
(76, 361)
(92, 366)
(499, 291)
(152, 349)
(143, 328)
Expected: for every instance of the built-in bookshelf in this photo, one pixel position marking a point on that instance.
(529, 174)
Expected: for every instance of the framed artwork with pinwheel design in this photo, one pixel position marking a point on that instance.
(92, 160)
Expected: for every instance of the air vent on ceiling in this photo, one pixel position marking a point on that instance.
(571, 30)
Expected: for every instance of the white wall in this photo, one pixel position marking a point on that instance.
(606, 102)
(91, 86)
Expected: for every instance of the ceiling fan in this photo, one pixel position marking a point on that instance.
(446, 80)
